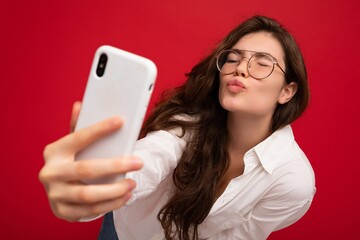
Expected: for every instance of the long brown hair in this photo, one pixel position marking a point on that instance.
(205, 159)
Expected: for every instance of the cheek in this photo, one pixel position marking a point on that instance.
(267, 96)
(222, 96)
(221, 89)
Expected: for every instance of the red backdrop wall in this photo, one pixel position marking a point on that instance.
(45, 55)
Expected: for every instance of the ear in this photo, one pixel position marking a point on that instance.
(287, 92)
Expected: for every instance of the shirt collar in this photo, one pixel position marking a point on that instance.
(272, 148)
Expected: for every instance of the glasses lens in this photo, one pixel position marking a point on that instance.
(260, 66)
(227, 61)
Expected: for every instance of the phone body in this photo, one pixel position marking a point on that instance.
(120, 83)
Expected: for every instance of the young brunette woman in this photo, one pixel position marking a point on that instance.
(218, 159)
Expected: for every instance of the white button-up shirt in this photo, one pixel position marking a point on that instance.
(275, 190)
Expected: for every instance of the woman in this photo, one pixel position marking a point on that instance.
(220, 159)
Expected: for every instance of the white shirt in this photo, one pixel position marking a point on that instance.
(275, 190)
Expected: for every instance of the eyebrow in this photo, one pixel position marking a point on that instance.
(242, 51)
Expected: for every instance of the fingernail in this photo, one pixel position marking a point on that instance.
(115, 121)
(131, 185)
(136, 162)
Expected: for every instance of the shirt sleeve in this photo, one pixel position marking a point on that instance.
(160, 152)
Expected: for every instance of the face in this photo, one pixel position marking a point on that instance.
(240, 93)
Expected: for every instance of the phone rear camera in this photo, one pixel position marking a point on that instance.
(100, 70)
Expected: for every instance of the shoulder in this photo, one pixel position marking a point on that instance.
(294, 178)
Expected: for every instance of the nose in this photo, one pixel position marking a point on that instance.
(242, 68)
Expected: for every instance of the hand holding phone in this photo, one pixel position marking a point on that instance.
(119, 84)
(69, 198)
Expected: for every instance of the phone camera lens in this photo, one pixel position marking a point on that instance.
(101, 65)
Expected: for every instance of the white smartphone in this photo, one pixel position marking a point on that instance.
(120, 84)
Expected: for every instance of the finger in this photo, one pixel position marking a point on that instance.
(78, 140)
(92, 169)
(90, 194)
(73, 212)
(75, 115)
(88, 169)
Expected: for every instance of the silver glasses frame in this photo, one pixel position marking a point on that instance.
(239, 52)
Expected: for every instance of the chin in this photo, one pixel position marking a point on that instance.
(231, 104)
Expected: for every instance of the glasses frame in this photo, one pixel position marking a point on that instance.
(239, 52)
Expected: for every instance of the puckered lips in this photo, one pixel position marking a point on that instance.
(235, 86)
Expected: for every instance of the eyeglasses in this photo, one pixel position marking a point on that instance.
(260, 65)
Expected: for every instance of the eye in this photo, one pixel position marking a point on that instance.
(263, 64)
(262, 61)
(232, 58)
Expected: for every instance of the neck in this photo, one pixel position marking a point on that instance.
(247, 131)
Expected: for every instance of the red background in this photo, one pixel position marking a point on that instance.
(45, 55)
